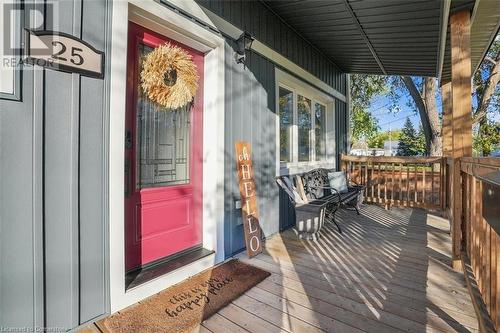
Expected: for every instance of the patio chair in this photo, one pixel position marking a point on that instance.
(317, 186)
(316, 201)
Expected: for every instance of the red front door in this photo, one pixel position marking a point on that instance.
(163, 164)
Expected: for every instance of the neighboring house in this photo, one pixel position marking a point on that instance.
(368, 152)
(92, 187)
(391, 147)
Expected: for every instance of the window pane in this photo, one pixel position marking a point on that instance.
(162, 146)
(286, 122)
(320, 131)
(304, 126)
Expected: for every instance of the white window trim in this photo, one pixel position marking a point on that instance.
(299, 87)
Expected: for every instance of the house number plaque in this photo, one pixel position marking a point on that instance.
(248, 194)
(63, 52)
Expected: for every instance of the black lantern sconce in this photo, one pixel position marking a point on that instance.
(243, 44)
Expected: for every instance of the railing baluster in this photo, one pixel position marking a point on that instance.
(378, 183)
(416, 182)
(424, 185)
(372, 171)
(360, 174)
(386, 172)
(392, 186)
(367, 170)
(407, 185)
(432, 200)
(400, 187)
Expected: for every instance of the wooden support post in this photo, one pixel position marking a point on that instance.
(461, 118)
(446, 129)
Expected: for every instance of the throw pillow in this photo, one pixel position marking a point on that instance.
(338, 181)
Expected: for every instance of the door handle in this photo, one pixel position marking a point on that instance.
(128, 139)
(128, 175)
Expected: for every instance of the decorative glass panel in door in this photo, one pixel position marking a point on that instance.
(163, 164)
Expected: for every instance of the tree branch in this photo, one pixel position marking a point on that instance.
(489, 89)
(493, 61)
(419, 102)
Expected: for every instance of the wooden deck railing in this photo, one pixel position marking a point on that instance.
(481, 216)
(399, 181)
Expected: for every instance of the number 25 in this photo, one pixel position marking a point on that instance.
(76, 57)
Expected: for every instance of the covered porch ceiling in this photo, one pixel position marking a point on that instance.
(389, 37)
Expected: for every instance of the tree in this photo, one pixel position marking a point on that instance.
(408, 140)
(420, 147)
(487, 138)
(363, 125)
(366, 87)
(363, 89)
(424, 92)
(486, 94)
(378, 140)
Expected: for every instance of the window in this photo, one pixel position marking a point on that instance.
(304, 125)
(286, 122)
(305, 120)
(320, 131)
(11, 14)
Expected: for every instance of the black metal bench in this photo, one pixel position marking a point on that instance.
(315, 202)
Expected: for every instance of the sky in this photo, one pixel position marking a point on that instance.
(387, 120)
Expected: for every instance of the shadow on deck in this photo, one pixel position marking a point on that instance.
(389, 271)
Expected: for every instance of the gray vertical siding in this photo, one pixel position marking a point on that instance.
(52, 193)
(250, 111)
(20, 240)
(94, 111)
(250, 116)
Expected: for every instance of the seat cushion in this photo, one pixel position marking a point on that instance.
(338, 181)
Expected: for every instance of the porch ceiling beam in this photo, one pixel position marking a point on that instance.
(365, 37)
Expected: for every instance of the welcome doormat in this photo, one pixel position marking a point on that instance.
(183, 306)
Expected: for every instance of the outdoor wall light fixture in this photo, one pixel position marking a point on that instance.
(243, 44)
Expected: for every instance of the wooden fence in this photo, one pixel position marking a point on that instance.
(399, 181)
(481, 216)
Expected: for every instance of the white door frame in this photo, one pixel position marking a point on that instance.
(161, 19)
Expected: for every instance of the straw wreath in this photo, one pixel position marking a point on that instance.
(169, 76)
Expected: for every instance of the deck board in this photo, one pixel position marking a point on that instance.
(389, 271)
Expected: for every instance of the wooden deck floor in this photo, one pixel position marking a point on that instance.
(389, 271)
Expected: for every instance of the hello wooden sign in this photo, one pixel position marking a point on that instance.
(249, 208)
